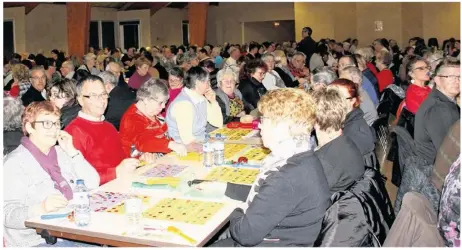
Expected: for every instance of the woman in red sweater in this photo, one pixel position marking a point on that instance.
(141, 126)
(385, 76)
(417, 92)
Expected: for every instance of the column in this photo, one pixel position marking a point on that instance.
(197, 15)
(78, 26)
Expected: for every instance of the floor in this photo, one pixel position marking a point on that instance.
(386, 169)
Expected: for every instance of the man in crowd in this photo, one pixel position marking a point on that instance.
(307, 45)
(36, 92)
(67, 69)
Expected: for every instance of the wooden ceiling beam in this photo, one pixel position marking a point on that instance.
(126, 6)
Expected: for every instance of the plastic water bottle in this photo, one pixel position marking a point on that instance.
(82, 212)
(219, 150)
(208, 153)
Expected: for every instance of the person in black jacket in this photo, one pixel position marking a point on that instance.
(251, 85)
(307, 45)
(209, 65)
(120, 98)
(37, 91)
(340, 158)
(63, 94)
(288, 199)
(439, 111)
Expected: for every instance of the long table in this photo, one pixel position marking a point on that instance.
(111, 229)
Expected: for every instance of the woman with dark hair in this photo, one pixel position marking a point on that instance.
(355, 127)
(63, 94)
(175, 85)
(195, 106)
(251, 84)
(419, 73)
(80, 74)
(433, 43)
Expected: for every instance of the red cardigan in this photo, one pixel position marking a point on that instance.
(147, 135)
(372, 68)
(99, 143)
(384, 78)
(416, 95)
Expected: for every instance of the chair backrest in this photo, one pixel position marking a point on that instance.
(364, 206)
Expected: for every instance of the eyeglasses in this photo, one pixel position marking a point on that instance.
(39, 78)
(58, 95)
(94, 97)
(160, 102)
(422, 68)
(49, 124)
(350, 98)
(452, 77)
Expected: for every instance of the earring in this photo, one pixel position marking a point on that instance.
(412, 80)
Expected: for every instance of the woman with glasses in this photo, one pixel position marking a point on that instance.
(251, 84)
(417, 92)
(175, 85)
(141, 127)
(64, 96)
(39, 176)
(232, 105)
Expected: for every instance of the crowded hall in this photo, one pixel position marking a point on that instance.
(221, 124)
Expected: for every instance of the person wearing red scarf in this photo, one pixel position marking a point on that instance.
(417, 91)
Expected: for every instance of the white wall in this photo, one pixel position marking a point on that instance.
(144, 16)
(166, 26)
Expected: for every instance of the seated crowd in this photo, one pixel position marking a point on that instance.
(318, 106)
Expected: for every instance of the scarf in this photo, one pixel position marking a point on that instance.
(49, 163)
(275, 161)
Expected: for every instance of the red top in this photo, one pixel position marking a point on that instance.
(173, 93)
(14, 91)
(415, 95)
(147, 135)
(99, 143)
(384, 78)
(372, 68)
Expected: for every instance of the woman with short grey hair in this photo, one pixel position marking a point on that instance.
(230, 98)
(12, 131)
(142, 130)
(272, 79)
(321, 77)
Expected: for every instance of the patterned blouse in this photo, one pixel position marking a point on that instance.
(236, 106)
(449, 211)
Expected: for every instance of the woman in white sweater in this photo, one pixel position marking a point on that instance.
(39, 176)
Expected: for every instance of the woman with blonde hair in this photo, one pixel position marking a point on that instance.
(21, 80)
(12, 113)
(141, 74)
(367, 53)
(291, 182)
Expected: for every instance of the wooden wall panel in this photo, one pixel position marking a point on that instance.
(78, 25)
(197, 15)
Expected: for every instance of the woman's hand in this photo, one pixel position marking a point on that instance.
(149, 158)
(66, 143)
(126, 167)
(241, 114)
(178, 148)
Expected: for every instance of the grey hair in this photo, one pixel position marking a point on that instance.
(38, 68)
(265, 56)
(222, 73)
(183, 58)
(298, 53)
(108, 66)
(324, 75)
(353, 71)
(12, 113)
(89, 78)
(109, 78)
(69, 64)
(151, 88)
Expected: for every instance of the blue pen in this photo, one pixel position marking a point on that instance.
(242, 165)
(53, 216)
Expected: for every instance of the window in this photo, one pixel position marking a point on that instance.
(185, 30)
(8, 39)
(108, 34)
(129, 34)
(94, 34)
(102, 34)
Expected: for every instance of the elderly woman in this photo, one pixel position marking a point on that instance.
(281, 67)
(251, 85)
(339, 156)
(291, 182)
(355, 127)
(417, 92)
(39, 176)
(367, 53)
(297, 66)
(141, 74)
(141, 128)
(64, 96)
(21, 81)
(12, 132)
(272, 79)
(89, 64)
(229, 97)
(184, 61)
(385, 76)
(321, 77)
(192, 109)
